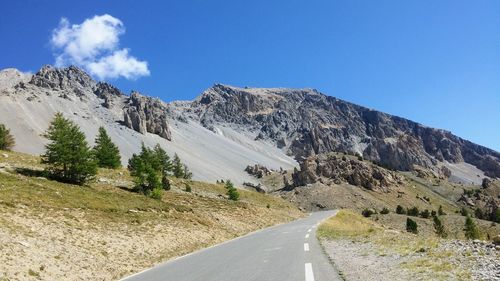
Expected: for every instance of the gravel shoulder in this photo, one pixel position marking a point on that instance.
(376, 253)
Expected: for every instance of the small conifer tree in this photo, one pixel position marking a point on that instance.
(470, 229)
(178, 168)
(143, 167)
(411, 226)
(68, 156)
(7, 141)
(439, 227)
(400, 210)
(106, 152)
(232, 192)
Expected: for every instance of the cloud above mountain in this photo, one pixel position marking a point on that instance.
(94, 45)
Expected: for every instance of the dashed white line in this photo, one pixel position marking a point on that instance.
(307, 235)
(306, 247)
(309, 230)
(309, 272)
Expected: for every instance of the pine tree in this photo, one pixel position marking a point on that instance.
(162, 160)
(68, 156)
(146, 172)
(439, 227)
(186, 173)
(178, 168)
(411, 226)
(400, 210)
(106, 152)
(7, 141)
(232, 192)
(470, 229)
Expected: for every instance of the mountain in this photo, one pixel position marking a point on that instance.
(227, 128)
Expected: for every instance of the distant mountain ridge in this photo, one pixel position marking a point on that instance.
(305, 122)
(232, 127)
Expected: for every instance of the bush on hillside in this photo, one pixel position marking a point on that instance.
(464, 212)
(106, 152)
(411, 226)
(413, 212)
(439, 227)
(7, 141)
(385, 211)
(470, 229)
(67, 155)
(425, 214)
(187, 187)
(400, 210)
(232, 192)
(367, 213)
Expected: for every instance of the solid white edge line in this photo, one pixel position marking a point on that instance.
(309, 272)
(306, 247)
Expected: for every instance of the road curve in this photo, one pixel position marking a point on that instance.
(287, 252)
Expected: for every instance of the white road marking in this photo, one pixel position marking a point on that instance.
(309, 272)
(307, 235)
(309, 230)
(306, 247)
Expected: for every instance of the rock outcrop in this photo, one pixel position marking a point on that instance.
(63, 79)
(108, 93)
(334, 169)
(305, 122)
(146, 114)
(257, 170)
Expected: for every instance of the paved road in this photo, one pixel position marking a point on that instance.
(288, 252)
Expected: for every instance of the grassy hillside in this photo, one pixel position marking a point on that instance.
(103, 231)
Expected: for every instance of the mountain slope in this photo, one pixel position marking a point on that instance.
(227, 128)
(29, 105)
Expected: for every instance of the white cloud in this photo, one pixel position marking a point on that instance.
(94, 45)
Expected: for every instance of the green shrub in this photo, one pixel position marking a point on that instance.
(425, 214)
(67, 155)
(385, 211)
(187, 187)
(367, 213)
(439, 227)
(411, 226)
(464, 212)
(105, 151)
(232, 192)
(156, 193)
(470, 229)
(413, 212)
(7, 141)
(400, 210)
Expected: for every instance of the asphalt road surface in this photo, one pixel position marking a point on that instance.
(287, 252)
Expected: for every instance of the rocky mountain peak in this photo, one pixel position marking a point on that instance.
(69, 78)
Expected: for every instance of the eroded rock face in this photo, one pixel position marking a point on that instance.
(305, 122)
(145, 114)
(107, 92)
(257, 170)
(336, 169)
(70, 78)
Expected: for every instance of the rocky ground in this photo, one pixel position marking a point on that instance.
(451, 260)
(363, 249)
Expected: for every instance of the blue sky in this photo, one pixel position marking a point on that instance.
(435, 62)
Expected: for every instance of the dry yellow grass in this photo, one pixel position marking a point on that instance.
(346, 223)
(55, 231)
